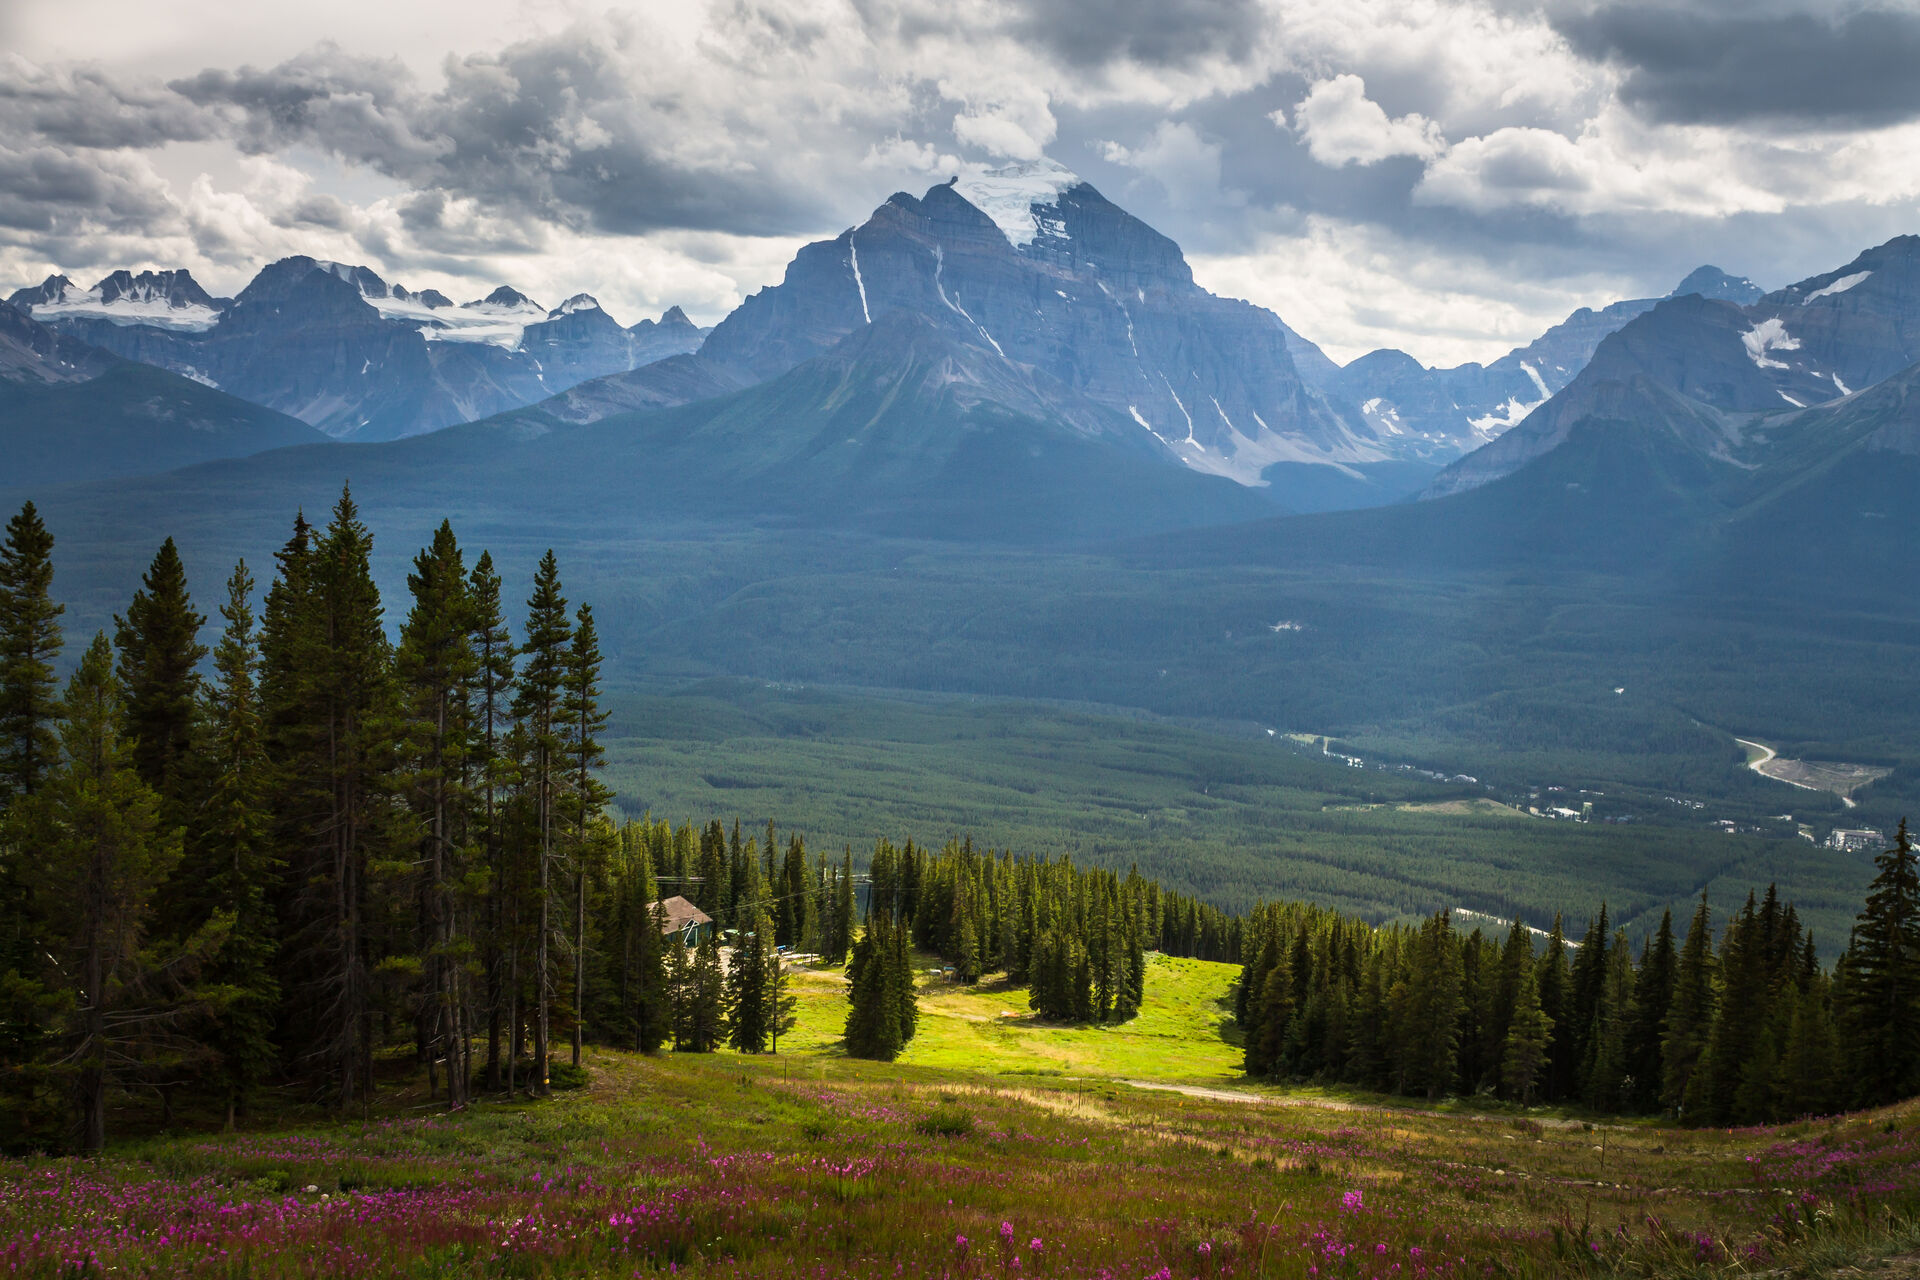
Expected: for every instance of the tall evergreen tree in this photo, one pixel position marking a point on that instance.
(539, 707)
(326, 688)
(1883, 993)
(29, 643)
(160, 653)
(230, 864)
(1689, 1017)
(491, 767)
(101, 854)
(582, 722)
(435, 667)
(1529, 1033)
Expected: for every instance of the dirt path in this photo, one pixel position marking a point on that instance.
(1335, 1104)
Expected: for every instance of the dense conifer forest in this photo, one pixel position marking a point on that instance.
(323, 839)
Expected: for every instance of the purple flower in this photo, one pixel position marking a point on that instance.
(1034, 1244)
(1353, 1202)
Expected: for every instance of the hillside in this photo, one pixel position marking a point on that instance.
(808, 1162)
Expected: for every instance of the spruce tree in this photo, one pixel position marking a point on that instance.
(230, 865)
(653, 987)
(1652, 997)
(583, 720)
(1529, 1034)
(435, 667)
(326, 690)
(490, 768)
(538, 706)
(29, 643)
(1689, 1019)
(706, 999)
(101, 854)
(1883, 994)
(160, 653)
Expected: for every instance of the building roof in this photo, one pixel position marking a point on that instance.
(681, 914)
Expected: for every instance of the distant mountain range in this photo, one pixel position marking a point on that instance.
(342, 350)
(1097, 312)
(1011, 356)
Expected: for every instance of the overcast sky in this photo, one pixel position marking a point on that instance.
(1444, 176)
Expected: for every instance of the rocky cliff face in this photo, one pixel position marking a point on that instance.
(1047, 274)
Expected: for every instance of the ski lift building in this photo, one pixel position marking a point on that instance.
(685, 919)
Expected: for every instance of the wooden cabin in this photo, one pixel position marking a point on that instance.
(685, 919)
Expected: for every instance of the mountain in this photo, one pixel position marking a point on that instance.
(1708, 373)
(70, 412)
(1441, 413)
(1712, 282)
(342, 349)
(1094, 311)
(170, 300)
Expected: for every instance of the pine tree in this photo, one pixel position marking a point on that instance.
(29, 643)
(706, 999)
(1690, 1017)
(490, 767)
(538, 706)
(1529, 1034)
(1652, 998)
(160, 653)
(326, 690)
(101, 853)
(1883, 995)
(749, 1001)
(230, 864)
(653, 986)
(583, 720)
(435, 667)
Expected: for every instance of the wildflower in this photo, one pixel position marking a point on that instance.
(959, 1241)
(1034, 1244)
(1006, 1232)
(1353, 1201)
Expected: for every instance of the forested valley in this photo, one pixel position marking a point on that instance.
(314, 844)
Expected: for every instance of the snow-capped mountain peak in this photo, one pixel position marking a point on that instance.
(164, 299)
(578, 302)
(1011, 196)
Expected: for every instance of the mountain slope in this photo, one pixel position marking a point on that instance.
(1703, 368)
(69, 412)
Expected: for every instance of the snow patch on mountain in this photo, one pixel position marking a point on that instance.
(1841, 285)
(139, 306)
(1018, 196)
(578, 302)
(1769, 335)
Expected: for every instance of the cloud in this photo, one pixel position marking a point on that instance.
(1342, 126)
(1726, 63)
(85, 107)
(1152, 33)
(1185, 165)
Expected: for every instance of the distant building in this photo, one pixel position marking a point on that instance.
(685, 919)
(1863, 840)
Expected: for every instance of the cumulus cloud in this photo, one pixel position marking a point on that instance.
(1342, 126)
(679, 153)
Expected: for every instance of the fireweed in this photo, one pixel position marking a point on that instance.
(686, 1165)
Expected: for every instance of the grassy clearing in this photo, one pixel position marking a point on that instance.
(808, 1164)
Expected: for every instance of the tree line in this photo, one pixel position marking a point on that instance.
(1744, 1029)
(328, 841)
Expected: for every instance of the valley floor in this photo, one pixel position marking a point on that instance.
(970, 1158)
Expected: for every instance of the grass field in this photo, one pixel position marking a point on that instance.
(962, 1161)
